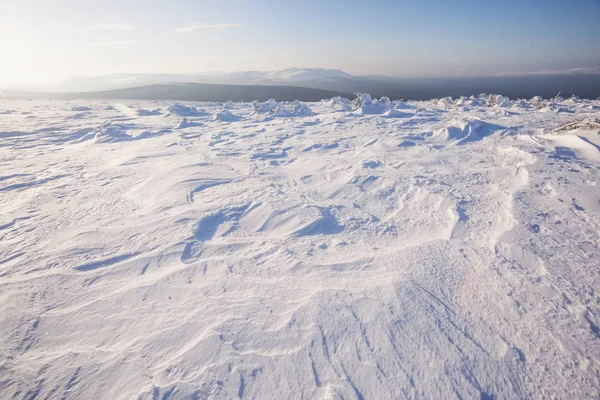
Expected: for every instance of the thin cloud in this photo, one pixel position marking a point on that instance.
(573, 71)
(112, 43)
(206, 27)
(115, 27)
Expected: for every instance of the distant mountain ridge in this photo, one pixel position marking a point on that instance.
(583, 82)
(191, 92)
(291, 76)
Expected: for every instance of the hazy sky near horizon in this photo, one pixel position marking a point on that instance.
(43, 40)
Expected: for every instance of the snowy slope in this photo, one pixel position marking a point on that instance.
(438, 249)
(299, 75)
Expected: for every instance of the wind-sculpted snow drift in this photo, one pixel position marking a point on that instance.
(368, 249)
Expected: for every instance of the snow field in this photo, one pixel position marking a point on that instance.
(439, 249)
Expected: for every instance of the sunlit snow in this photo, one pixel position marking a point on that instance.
(368, 249)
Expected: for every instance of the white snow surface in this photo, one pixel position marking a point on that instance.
(433, 249)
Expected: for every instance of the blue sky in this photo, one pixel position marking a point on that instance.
(43, 40)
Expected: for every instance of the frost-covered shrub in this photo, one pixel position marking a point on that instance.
(520, 103)
(361, 100)
(586, 124)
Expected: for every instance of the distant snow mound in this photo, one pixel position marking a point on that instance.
(228, 104)
(498, 100)
(364, 100)
(268, 106)
(445, 102)
(479, 101)
(403, 105)
(587, 124)
(339, 104)
(366, 105)
(521, 103)
(462, 101)
(184, 111)
(81, 108)
(112, 134)
(384, 102)
(225, 116)
(395, 113)
(293, 109)
(460, 129)
(482, 100)
(147, 113)
(107, 133)
(466, 130)
(185, 123)
(536, 101)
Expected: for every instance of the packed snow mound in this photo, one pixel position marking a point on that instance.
(482, 100)
(339, 104)
(445, 102)
(462, 101)
(498, 100)
(268, 106)
(183, 110)
(293, 109)
(364, 99)
(459, 129)
(403, 105)
(273, 108)
(521, 104)
(465, 130)
(384, 102)
(586, 124)
(107, 133)
(364, 104)
(478, 101)
(148, 113)
(226, 116)
(397, 113)
(81, 108)
(537, 101)
(571, 146)
(307, 74)
(185, 123)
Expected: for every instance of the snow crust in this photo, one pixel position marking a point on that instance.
(370, 250)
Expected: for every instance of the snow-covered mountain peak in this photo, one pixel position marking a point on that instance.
(307, 74)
